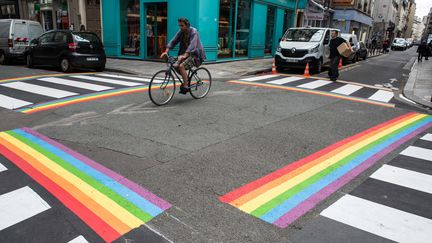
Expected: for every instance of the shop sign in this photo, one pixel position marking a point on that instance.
(343, 2)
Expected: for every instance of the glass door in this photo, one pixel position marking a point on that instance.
(156, 28)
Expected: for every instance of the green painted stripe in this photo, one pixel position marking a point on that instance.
(123, 202)
(296, 189)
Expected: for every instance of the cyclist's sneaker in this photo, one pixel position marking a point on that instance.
(183, 90)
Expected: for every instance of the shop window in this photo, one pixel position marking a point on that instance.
(268, 49)
(234, 29)
(130, 27)
(242, 30)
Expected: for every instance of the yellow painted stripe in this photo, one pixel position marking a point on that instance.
(316, 92)
(274, 192)
(105, 202)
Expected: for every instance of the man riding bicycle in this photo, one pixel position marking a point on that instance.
(191, 51)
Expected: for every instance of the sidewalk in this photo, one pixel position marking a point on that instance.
(231, 69)
(419, 84)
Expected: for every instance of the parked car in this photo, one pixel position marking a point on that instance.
(399, 44)
(362, 52)
(352, 39)
(68, 50)
(299, 46)
(15, 36)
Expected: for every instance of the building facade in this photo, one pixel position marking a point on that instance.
(353, 16)
(384, 19)
(229, 29)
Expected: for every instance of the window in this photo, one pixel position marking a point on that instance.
(130, 27)
(268, 49)
(287, 20)
(35, 31)
(233, 38)
(46, 38)
(20, 30)
(4, 29)
(61, 37)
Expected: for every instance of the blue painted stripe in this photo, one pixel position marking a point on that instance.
(293, 201)
(105, 180)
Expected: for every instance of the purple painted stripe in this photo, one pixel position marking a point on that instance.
(311, 202)
(162, 204)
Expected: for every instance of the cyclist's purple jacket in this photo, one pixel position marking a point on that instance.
(195, 46)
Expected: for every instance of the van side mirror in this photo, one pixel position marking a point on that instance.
(34, 42)
(279, 39)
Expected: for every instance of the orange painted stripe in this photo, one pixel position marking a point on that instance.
(316, 93)
(277, 181)
(73, 190)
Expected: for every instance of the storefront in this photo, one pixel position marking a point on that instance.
(229, 29)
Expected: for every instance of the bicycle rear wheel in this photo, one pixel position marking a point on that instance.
(162, 88)
(200, 83)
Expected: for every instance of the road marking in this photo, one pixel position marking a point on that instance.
(285, 80)
(20, 205)
(347, 89)
(417, 152)
(403, 177)
(40, 90)
(382, 95)
(427, 137)
(79, 239)
(258, 78)
(107, 80)
(124, 77)
(12, 103)
(314, 84)
(380, 220)
(76, 84)
(2, 168)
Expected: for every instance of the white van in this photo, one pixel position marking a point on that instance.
(15, 36)
(299, 46)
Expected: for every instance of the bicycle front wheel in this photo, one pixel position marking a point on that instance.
(162, 88)
(200, 83)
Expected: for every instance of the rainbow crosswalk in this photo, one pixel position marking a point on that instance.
(288, 193)
(107, 202)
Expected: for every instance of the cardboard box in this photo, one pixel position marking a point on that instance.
(344, 50)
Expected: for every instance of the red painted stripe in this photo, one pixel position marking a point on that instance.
(104, 230)
(231, 196)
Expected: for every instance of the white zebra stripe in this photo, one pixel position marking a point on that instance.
(380, 220)
(12, 103)
(40, 90)
(107, 80)
(382, 95)
(259, 78)
(284, 80)
(347, 89)
(19, 205)
(417, 152)
(314, 84)
(77, 84)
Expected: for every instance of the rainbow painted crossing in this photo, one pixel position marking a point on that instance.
(283, 196)
(107, 202)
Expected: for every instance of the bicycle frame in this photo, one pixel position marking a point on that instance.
(174, 71)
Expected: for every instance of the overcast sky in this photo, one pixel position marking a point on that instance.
(423, 7)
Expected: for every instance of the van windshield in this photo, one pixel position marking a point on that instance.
(304, 35)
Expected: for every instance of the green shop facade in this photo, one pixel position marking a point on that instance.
(229, 29)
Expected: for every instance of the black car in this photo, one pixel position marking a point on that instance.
(362, 51)
(68, 50)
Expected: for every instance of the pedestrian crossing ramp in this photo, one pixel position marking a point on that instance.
(343, 90)
(24, 94)
(395, 201)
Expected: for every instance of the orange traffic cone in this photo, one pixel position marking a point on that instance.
(306, 72)
(274, 67)
(340, 63)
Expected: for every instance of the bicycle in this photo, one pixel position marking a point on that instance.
(163, 84)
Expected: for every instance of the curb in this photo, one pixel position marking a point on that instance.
(409, 87)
